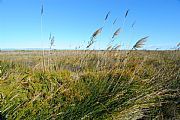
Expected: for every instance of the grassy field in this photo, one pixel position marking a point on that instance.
(86, 85)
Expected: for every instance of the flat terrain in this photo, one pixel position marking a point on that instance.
(86, 85)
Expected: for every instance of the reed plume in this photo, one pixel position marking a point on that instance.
(117, 47)
(51, 41)
(133, 24)
(107, 16)
(140, 43)
(115, 21)
(42, 9)
(178, 45)
(116, 33)
(126, 14)
(96, 33)
(109, 48)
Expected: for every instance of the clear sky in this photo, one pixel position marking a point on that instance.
(72, 22)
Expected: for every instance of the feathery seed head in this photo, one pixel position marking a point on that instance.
(115, 21)
(116, 33)
(178, 45)
(127, 13)
(107, 15)
(140, 43)
(117, 47)
(108, 48)
(97, 32)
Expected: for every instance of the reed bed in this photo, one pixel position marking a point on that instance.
(110, 84)
(147, 87)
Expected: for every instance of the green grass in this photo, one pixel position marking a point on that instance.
(90, 85)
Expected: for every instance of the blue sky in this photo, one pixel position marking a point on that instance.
(72, 22)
